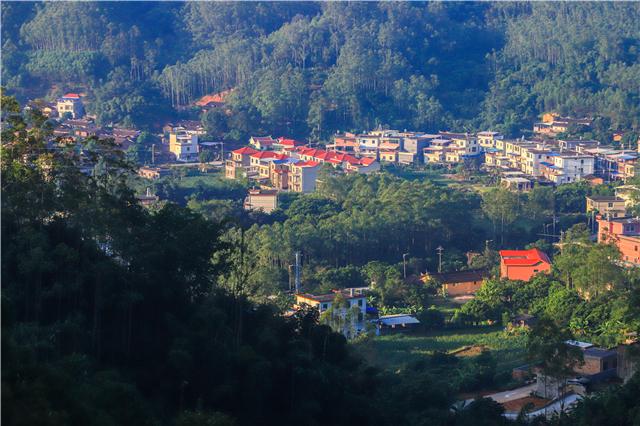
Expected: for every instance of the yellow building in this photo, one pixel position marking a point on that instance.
(606, 205)
(184, 146)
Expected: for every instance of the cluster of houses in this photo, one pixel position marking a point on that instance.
(521, 163)
(403, 147)
(288, 165)
(68, 106)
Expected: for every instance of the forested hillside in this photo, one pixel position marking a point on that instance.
(309, 69)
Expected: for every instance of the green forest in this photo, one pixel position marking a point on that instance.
(310, 69)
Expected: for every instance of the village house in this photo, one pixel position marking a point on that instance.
(567, 167)
(48, 109)
(598, 364)
(153, 172)
(190, 127)
(389, 156)
(70, 104)
(606, 205)
(265, 200)
(552, 124)
(516, 184)
(323, 302)
(629, 193)
(523, 264)
(286, 145)
(262, 143)
(239, 164)
(184, 146)
(624, 233)
(488, 139)
(459, 283)
(303, 176)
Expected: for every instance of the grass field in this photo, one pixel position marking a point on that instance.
(393, 352)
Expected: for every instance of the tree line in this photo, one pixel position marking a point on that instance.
(310, 69)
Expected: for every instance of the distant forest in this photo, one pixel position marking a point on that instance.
(310, 69)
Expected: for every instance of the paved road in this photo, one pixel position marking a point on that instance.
(509, 395)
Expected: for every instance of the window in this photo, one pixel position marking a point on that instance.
(535, 270)
(324, 306)
(610, 204)
(605, 365)
(360, 302)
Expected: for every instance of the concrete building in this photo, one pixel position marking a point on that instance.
(567, 167)
(606, 205)
(460, 283)
(184, 146)
(624, 233)
(523, 264)
(261, 199)
(239, 163)
(70, 104)
(488, 139)
(303, 176)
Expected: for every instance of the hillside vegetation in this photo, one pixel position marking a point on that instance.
(314, 68)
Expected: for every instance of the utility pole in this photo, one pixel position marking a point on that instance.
(404, 264)
(297, 272)
(440, 250)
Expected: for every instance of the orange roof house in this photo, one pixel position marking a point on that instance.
(523, 264)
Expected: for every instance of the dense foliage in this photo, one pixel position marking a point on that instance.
(313, 68)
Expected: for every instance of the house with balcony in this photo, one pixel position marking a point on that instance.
(184, 146)
(238, 165)
(262, 143)
(609, 206)
(70, 104)
(302, 176)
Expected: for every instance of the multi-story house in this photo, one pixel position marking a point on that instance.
(488, 139)
(532, 158)
(606, 205)
(184, 146)
(262, 143)
(463, 140)
(265, 200)
(239, 163)
(303, 176)
(70, 104)
(624, 232)
(567, 167)
(523, 264)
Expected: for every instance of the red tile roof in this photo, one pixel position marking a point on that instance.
(72, 96)
(289, 142)
(523, 257)
(267, 154)
(306, 164)
(367, 161)
(245, 150)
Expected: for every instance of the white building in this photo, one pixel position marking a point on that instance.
(184, 146)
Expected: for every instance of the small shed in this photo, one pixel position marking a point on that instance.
(395, 323)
